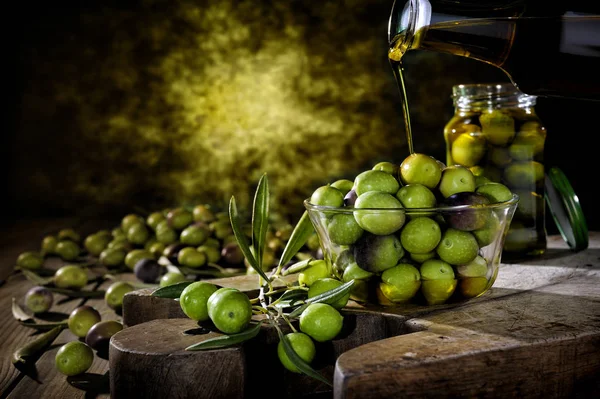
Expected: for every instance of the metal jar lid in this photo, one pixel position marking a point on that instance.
(566, 210)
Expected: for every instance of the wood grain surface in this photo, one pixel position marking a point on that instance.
(536, 333)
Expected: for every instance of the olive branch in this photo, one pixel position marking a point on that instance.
(278, 306)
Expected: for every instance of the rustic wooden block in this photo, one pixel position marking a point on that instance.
(528, 344)
(149, 360)
(140, 306)
(536, 333)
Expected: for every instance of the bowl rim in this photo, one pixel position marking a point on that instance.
(350, 209)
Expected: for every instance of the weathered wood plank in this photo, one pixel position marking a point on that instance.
(160, 366)
(537, 334)
(14, 335)
(538, 323)
(25, 236)
(55, 384)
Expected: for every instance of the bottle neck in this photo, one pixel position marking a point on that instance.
(474, 97)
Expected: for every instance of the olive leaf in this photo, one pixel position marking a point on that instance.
(43, 326)
(293, 294)
(241, 239)
(298, 361)
(172, 291)
(18, 312)
(78, 293)
(92, 384)
(36, 346)
(290, 298)
(226, 340)
(328, 297)
(28, 321)
(302, 231)
(297, 267)
(260, 219)
(36, 278)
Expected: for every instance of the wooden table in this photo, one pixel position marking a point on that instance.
(535, 334)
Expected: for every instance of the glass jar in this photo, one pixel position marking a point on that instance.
(496, 132)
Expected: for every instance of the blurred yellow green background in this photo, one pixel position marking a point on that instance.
(150, 104)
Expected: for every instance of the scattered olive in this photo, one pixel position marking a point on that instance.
(39, 299)
(82, 318)
(147, 270)
(98, 336)
(69, 234)
(30, 260)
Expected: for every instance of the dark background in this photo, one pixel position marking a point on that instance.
(114, 107)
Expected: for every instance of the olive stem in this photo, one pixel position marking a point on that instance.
(260, 309)
(273, 292)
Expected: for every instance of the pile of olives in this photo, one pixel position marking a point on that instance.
(506, 146)
(396, 230)
(85, 322)
(192, 239)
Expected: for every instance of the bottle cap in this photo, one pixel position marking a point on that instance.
(566, 210)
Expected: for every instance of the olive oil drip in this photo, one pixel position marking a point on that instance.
(395, 54)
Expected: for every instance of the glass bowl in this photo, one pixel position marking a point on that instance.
(426, 256)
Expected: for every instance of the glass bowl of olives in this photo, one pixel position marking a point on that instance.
(419, 232)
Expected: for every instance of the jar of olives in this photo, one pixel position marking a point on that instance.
(496, 132)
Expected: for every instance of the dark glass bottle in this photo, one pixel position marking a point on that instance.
(545, 49)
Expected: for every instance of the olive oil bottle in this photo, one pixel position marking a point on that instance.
(545, 50)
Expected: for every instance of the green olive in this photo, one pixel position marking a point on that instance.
(112, 257)
(212, 242)
(69, 234)
(191, 257)
(468, 149)
(129, 220)
(165, 234)
(171, 278)
(156, 249)
(118, 232)
(30, 260)
(39, 299)
(154, 219)
(49, 245)
(497, 127)
(194, 234)
(213, 254)
(82, 318)
(95, 243)
(179, 218)
(120, 243)
(524, 174)
(203, 213)
(104, 233)
(71, 277)
(115, 293)
(138, 233)
(67, 250)
(527, 145)
(172, 251)
(136, 255)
